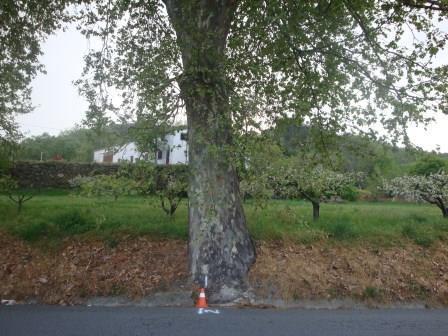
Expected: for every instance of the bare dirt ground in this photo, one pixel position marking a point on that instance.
(400, 274)
(83, 269)
(137, 267)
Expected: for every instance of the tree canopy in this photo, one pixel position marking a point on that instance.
(24, 25)
(341, 65)
(432, 188)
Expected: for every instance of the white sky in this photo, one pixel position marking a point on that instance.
(59, 106)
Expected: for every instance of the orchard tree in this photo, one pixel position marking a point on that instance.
(10, 187)
(314, 184)
(235, 64)
(432, 188)
(170, 186)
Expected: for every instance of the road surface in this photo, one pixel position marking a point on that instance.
(34, 320)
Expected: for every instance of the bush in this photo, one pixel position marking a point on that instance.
(171, 186)
(142, 173)
(73, 222)
(32, 231)
(429, 165)
(350, 193)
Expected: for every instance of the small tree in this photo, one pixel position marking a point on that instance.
(314, 184)
(169, 183)
(143, 173)
(432, 189)
(171, 186)
(10, 187)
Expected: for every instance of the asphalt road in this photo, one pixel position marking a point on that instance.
(60, 321)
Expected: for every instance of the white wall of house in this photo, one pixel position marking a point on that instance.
(98, 155)
(128, 152)
(173, 150)
(178, 148)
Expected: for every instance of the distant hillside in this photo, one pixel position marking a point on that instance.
(348, 152)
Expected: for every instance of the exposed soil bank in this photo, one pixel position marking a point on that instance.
(82, 269)
(384, 276)
(283, 274)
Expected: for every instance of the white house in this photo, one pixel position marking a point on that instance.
(172, 150)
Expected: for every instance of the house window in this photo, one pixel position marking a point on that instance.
(132, 159)
(159, 155)
(184, 136)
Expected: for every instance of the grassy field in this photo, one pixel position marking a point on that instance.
(55, 215)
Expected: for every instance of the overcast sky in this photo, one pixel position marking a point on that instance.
(59, 106)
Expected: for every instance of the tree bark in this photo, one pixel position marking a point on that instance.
(442, 206)
(444, 211)
(219, 243)
(316, 211)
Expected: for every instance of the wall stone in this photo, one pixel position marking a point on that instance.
(56, 174)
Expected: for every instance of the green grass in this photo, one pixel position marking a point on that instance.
(55, 215)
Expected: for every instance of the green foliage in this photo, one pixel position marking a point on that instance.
(171, 186)
(274, 65)
(376, 224)
(340, 230)
(73, 222)
(33, 230)
(349, 193)
(24, 25)
(10, 187)
(105, 186)
(345, 153)
(169, 183)
(296, 177)
(6, 154)
(68, 223)
(149, 133)
(428, 165)
(418, 234)
(432, 188)
(74, 145)
(7, 184)
(259, 156)
(143, 173)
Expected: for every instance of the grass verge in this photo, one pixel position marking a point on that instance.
(56, 215)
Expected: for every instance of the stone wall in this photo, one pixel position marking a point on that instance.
(56, 174)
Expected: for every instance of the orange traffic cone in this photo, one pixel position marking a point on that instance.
(202, 302)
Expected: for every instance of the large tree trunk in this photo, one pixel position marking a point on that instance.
(219, 243)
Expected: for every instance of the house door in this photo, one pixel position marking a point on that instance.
(168, 156)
